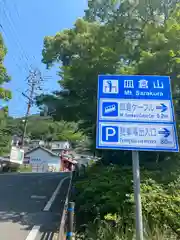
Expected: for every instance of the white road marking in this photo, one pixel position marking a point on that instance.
(51, 200)
(35, 230)
(50, 236)
(33, 233)
(38, 197)
(45, 236)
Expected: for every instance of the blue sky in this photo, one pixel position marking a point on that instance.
(25, 23)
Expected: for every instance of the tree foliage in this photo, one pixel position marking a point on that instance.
(118, 37)
(5, 95)
(44, 128)
(142, 10)
(145, 41)
(108, 190)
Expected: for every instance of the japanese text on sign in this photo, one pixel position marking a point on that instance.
(136, 112)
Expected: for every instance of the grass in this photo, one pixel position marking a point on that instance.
(25, 168)
(102, 230)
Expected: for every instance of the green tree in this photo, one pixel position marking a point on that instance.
(45, 128)
(123, 44)
(108, 193)
(141, 10)
(118, 40)
(85, 52)
(63, 131)
(160, 50)
(5, 95)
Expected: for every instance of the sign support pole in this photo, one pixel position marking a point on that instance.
(137, 196)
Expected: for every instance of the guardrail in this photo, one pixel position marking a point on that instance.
(63, 224)
(66, 225)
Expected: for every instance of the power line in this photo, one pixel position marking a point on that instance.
(35, 77)
(22, 55)
(15, 35)
(16, 9)
(5, 34)
(19, 20)
(8, 16)
(14, 59)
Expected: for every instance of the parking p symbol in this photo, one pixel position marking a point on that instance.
(109, 134)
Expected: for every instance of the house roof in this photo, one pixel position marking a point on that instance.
(42, 148)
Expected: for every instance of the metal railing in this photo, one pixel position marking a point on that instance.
(66, 225)
(63, 224)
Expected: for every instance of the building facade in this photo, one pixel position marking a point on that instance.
(43, 160)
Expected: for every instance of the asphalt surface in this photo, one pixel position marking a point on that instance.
(31, 205)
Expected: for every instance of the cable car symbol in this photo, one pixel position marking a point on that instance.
(109, 109)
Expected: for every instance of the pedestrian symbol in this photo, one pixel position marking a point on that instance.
(110, 86)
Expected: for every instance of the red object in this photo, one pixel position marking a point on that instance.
(66, 162)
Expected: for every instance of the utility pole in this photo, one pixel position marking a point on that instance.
(34, 81)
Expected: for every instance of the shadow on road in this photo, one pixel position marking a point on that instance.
(20, 212)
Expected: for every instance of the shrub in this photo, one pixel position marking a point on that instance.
(109, 189)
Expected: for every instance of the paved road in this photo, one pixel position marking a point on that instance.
(31, 205)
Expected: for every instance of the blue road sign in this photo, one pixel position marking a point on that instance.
(136, 113)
